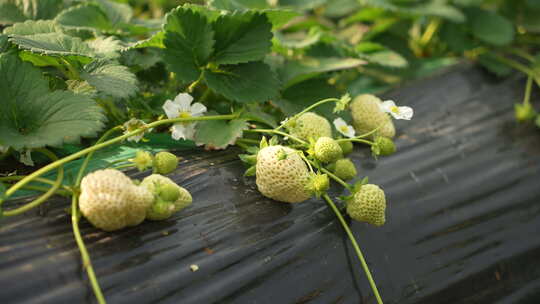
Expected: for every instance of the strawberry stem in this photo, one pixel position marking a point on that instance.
(274, 131)
(355, 246)
(528, 87)
(311, 107)
(87, 264)
(44, 196)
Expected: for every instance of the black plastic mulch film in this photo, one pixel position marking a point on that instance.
(463, 223)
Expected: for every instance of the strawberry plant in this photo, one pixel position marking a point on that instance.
(264, 76)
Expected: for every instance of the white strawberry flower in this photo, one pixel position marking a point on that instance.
(181, 107)
(343, 127)
(132, 125)
(389, 106)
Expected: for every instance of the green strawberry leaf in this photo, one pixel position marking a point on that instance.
(490, 27)
(241, 37)
(294, 72)
(116, 12)
(246, 82)
(218, 134)
(237, 5)
(31, 27)
(155, 40)
(87, 15)
(33, 117)
(110, 78)
(106, 47)
(13, 11)
(386, 58)
(189, 41)
(54, 44)
(296, 41)
(433, 8)
(254, 112)
(278, 17)
(4, 43)
(251, 171)
(39, 60)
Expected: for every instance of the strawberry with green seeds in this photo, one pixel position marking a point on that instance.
(346, 146)
(281, 174)
(169, 197)
(165, 162)
(343, 168)
(111, 201)
(368, 205)
(367, 116)
(383, 146)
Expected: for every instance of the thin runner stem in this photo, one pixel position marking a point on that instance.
(87, 264)
(44, 196)
(355, 246)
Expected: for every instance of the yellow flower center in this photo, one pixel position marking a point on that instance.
(184, 114)
(344, 129)
(394, 109)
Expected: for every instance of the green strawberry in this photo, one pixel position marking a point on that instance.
(383, 146)
(165, 162)
(346, 147)
(343, 168)
(327, 150)
(170, 197)
(367, 116)
(310, 126)
(368, 205)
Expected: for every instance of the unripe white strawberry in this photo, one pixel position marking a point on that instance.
(281, 174)
(327, 150)
(367, 115)
(310, 126)
(170, 197)
(368, 205)
(111, 201)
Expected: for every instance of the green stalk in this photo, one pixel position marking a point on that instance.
(430, 31)
(195, 83)
(61, 192)
(124, 166)
(318, 103)
(516, 65)
(87, 264)
(37, 179)
(109, 142)
(89, 156)
(248, 141)
(75, 216)
(521, 53)
(275, 131)
(355, 139)
(337, 179)
(355, 246)
(43, 197)
(528, 87)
